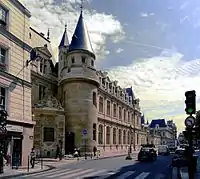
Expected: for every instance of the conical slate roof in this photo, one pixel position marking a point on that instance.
(80, 38)
(64, 41)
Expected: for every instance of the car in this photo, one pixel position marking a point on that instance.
(147, 152)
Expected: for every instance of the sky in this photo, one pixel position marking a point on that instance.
(153, 46)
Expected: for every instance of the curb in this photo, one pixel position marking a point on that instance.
(115, 156)
(28, 173)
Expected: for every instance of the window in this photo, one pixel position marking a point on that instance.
(2, 58)
(101, 104)
(107, 135)
(3, 16)
(114, 136)
(94, 131)
(73, 60)
(2, 98)
(94, 98)
(100, 136)
(43, 66)
(49, 134)
(120, 113)
(92, 62)
(108, 108)
(41, 92)
(128, 116)
(120, 136)
(124, 114)
(115, 110)
(83, 59)
(124, 137)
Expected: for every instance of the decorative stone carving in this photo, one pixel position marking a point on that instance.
(49, 101)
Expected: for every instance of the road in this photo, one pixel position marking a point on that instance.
(112, 168)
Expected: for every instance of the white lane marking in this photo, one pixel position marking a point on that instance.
(159, 176)
(106, 175)
(91, 174)
(125, 175)
(75, 175)
(184, 175)
(47, 172)
(65, 173)
(143, 175)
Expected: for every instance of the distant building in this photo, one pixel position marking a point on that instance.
(167, 130)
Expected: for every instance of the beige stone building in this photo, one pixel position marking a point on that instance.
(15, 78)
(47, 111)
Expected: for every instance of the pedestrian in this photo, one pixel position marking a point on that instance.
(94, 150)
(32, 161)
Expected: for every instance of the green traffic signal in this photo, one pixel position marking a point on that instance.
(190, 110)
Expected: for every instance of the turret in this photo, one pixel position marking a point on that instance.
(63, 48)
(79, 83)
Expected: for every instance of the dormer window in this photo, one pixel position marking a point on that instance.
(73, 60)
(83, 59)
(3, 16)
(43, 66)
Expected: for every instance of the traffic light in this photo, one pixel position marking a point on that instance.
(3, 118)
(190, 102)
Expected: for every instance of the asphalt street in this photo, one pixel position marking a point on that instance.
(111, 168)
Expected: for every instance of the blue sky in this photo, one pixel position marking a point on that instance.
(152, 45)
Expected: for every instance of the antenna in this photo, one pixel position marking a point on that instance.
(81, 6)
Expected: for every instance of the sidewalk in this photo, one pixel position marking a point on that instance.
(9, 172)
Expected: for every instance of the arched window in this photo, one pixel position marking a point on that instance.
(120, 136)
(114, 136)
(124, 137)
(100, 134)
(107, 135)
(94, 98)
(128, 138)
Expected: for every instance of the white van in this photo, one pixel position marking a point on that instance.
(163, 150)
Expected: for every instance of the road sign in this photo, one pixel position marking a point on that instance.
(189, 121)
(84, 132)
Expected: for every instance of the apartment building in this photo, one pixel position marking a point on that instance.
(15, 81)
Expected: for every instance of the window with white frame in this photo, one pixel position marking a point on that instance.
(2, 98)
(3, 16)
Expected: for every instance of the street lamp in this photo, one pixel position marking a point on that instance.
(129, 151)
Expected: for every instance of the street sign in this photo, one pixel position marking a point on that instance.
(190, 121)
(84, 132)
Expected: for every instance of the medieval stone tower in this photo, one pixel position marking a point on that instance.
(78, 82)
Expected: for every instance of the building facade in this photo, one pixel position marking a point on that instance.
(15, 78)
(167, 130)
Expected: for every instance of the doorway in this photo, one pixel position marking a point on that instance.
(17, 151)
(69, 142)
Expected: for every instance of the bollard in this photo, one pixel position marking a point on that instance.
(28, 164)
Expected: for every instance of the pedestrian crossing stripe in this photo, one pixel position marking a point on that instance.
(81, 173)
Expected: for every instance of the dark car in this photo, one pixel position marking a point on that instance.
(147, 153)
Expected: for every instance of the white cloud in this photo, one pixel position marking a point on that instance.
(119, 50)
(160, 83)
(47, 14)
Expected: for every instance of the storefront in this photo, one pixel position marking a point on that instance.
(14, 143)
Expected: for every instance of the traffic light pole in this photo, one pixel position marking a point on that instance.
(190, 154)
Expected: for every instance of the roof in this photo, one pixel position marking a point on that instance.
(142, 119)
(130, 92)
(64, 41)
(159, 122)
(80, 38)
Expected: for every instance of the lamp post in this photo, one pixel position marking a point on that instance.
(129, 151)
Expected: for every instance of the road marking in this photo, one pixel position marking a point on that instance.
(184, 175)
(106, 175)
(77, 174)
(143, 175)
(159, 176)
(125, 175)
(91, 174)
(65, 173)
(47, 172)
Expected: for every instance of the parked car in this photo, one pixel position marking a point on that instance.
(178, 158)
(147, 152)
